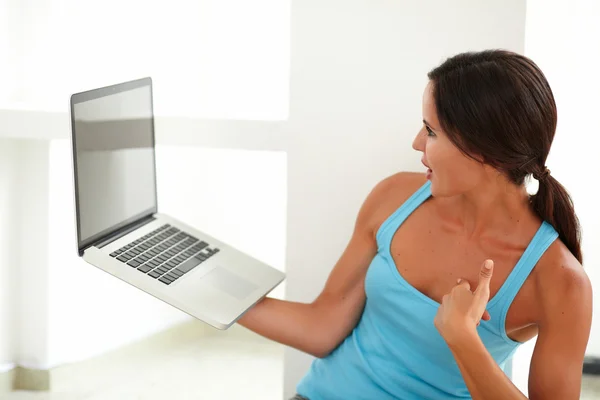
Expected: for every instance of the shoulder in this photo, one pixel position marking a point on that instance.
(389, 194)
(562, 285)
(402, 184)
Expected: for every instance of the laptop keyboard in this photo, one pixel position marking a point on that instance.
(165, 254)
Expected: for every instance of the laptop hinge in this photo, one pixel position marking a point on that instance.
(106, 240)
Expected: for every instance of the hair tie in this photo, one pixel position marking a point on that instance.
(543, 175)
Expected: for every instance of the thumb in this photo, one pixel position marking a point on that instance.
(485, 276)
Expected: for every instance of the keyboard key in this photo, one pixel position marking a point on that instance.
(155, 274)
(122, 259)
(145, 268)
(133, 263)
(165, 280)
(188, 265)
(177, 273)
(171, 276)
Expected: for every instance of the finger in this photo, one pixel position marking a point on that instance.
(486, 316)
(463, 283)
(482, 292)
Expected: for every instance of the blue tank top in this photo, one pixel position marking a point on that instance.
(395, 351)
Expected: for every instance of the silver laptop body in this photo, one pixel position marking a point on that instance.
(120, 230)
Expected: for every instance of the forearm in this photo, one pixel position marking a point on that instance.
(297, 325)
(484, 378)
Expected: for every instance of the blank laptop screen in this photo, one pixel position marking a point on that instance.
(113, 132)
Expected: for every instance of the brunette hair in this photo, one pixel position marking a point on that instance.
(497, 105)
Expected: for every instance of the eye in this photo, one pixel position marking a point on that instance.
(429, 131)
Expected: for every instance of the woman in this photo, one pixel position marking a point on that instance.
(411, 310)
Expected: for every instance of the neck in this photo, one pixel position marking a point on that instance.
(494, 204)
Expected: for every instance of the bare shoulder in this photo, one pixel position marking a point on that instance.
(390, 193)
(562, 285)
(404, 181)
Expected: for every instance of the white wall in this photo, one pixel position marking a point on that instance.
(358, 74)
(562, 38)
(222, 59)
(235, 195)
(5, 71)
(570, 57)
(213, 59)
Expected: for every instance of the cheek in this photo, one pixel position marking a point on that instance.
(452, 171)
(440, 156)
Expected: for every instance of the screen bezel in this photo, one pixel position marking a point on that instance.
(96, 94)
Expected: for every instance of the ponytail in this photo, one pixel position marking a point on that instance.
(553, 203)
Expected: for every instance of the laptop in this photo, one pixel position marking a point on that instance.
(120, 230)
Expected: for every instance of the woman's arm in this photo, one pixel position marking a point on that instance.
(564, 328)
(319, 327)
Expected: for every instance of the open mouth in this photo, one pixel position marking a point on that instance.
(429, 171)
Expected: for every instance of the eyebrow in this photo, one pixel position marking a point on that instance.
(429, 125)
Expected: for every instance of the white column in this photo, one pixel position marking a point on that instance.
(357, 78)
(31, 327)
(9, 254)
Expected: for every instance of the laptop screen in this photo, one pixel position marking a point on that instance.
(113, 144)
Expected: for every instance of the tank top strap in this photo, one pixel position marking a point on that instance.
(390, 225)
(544, 237)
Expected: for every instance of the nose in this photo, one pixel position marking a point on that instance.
(419, 142)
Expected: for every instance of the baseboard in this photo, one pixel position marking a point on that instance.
(591, 366)
(7, 380)
(20, 378)
(31, 379)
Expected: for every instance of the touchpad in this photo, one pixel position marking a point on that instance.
(229, 283)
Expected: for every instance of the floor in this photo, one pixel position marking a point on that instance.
(189, 362)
